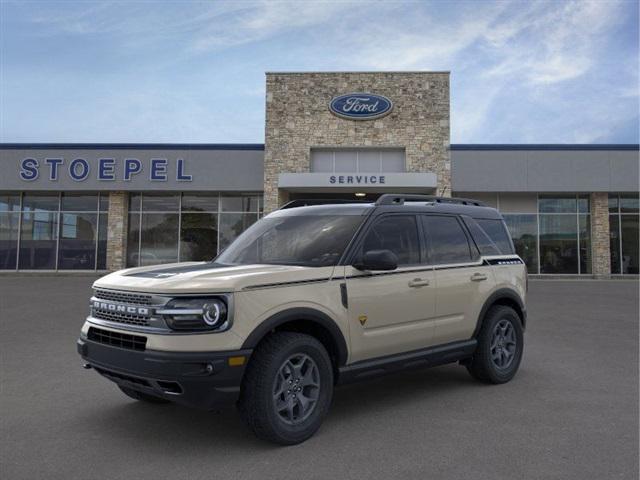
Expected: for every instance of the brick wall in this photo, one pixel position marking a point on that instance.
(600, 249)
(117, 230)
(298, 119)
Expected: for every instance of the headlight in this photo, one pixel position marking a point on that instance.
(195, 314)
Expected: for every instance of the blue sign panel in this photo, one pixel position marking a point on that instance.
(360, 106)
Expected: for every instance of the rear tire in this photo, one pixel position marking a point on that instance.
(141, 396)
(500, 346)
(287, 388)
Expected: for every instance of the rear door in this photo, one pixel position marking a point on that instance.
(462, 279)
(391, 311)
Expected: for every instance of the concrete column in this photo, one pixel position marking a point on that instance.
(117, 230)
(600, 250)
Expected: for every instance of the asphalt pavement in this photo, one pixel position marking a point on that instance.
(570, 413)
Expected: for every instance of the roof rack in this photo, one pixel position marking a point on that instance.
(399, 199)
(318, 201)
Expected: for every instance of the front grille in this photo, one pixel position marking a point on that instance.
(124, 297)
(117, 339)
(129, 319)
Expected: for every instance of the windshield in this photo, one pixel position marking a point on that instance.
(305, 240)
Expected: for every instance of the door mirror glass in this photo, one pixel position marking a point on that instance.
(378, 260)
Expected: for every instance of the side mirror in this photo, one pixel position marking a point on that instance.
(377, 260)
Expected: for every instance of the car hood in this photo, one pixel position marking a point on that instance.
(207, 277)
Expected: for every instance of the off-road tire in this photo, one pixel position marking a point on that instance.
(141, 396)
(482, 365)
(257, 404)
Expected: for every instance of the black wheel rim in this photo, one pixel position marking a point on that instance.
(503, 344)
(296, 389)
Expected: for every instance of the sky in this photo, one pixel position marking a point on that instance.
(193, 72)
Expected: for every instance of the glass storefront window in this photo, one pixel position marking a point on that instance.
(38, 240)
(79, 202)
(624, 240)
(200, 202)
(557, 204)
(9, 222)
(41, 201)
(158, 202)
(77, 247)
(198, 236)
(159, 238)
(9, 202)
(558, 244)
(524, 232)
(237, 203)
(584, 235)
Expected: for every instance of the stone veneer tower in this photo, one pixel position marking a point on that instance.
(298, 119)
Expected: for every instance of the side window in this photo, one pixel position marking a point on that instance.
(446, 240)
(497, 231)
(484, 243)
(398, 233)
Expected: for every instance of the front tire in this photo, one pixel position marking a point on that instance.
(287, 388)
(500, 346)
(141, 396)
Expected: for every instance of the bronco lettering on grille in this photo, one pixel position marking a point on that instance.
(114, 307)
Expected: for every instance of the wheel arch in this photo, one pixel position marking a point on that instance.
(304, 320)
(506, 297)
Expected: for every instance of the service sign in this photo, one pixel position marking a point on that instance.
(360, 106)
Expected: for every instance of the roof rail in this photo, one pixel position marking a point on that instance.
(318, 201)
(400, 199)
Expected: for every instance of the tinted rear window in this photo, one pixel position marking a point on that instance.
(446, 240)
(497, 232)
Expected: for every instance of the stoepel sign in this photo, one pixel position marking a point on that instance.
(360, 106)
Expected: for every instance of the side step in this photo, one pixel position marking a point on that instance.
(426, 357)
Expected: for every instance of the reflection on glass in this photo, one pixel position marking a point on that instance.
(585, 244)
(232, 225)
(9, 202)
(38, 240)
(557, 204)
(630, 243)
(77, 246)
(159, 202)
(40, 201)
(198, 236)
(133, 240)
(79, 202)
(613, 203)
(102, 241)
(629, 204)
(524, 232)
(8, 240)
(558, 244)
(200, 202)
(239, 203)
(159, 238)
(583, 203)
(614, 242)
(104, 202)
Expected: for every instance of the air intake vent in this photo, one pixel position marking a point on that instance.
(124, 297)
(116, 339)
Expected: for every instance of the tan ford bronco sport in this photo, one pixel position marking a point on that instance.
(310, 297)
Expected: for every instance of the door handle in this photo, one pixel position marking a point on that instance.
(478, 277)
(418, 282)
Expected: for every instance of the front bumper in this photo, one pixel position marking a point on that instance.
(196, 379)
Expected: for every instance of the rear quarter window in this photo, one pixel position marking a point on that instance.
(498, 233)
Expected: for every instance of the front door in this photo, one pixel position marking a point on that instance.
(391, 311)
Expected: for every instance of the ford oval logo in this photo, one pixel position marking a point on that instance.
(360, 106)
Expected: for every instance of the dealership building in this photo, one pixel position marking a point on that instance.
(571, 209)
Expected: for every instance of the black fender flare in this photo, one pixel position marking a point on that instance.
(501, 294)
(306, 314)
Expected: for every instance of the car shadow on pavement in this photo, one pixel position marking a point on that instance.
(184, 428)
